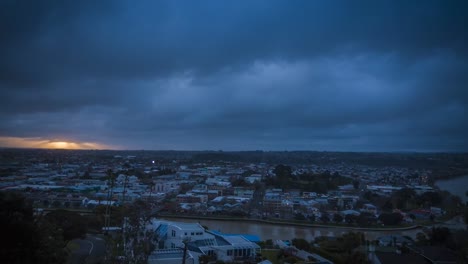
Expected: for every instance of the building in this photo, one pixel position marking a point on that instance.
(175, 236)
(369, 208)
(170, 256)
(192, 198)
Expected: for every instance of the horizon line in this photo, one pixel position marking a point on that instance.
(257, 150)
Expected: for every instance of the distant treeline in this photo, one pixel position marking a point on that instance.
(410, 160)
(456, 163)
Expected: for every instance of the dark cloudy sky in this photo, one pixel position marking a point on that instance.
(236, 75)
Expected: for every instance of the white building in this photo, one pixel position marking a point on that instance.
(170, 256)
(253, 178)
(175, 235)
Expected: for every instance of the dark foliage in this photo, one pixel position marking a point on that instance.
(72, 224)
(26, 239)
(391, 218)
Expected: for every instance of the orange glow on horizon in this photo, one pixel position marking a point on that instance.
(17, 142)
(60, 144)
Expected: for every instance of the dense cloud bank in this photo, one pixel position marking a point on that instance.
(334, 75)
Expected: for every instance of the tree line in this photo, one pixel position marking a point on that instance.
(35, 238)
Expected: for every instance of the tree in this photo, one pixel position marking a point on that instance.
(337, 218)
(283, 175)
(290, 259)
(356, 184)
(460, 244)
(352, 240)
(204, 259)
(388, 206)
(391, 218)
(72, 223)
(357, 258)
(368, 195)
(86, 175)
(465, 216)
(51, 246)
(440, 235)
(312, 217)
(299, 216)
(17, 221)
(26, 239)
(365, 219)
(429, 199)
(404, 198)
(136, 217)
(324, 217)
(350, 218)
(301, 244)
(421, 239)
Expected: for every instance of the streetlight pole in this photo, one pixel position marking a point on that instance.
(109, 197)
(185, 241)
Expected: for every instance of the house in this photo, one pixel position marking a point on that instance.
(170, 256)
(166, 186)
(421, 214)
(383, 189)
(436, 211)
(253, 178)
(243, 192)
(394, 240)
(369, 208)
(170, 235)
(191, 198)
(219, 181)
(350, 212)
(309, 195)
(91, 203)
(198, 241)
(420, 189)
(272, 201)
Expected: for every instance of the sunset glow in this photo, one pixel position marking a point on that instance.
(16, 142)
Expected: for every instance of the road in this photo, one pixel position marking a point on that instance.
(89, 250)
(455, 223)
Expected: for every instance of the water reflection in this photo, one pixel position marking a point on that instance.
(268, 231)
(457, 186)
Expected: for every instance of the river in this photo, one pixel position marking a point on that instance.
(457, 186)
(271, 231)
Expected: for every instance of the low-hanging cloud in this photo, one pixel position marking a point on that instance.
(241, 75)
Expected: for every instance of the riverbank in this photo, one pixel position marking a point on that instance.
(456, 186)
(288, 223)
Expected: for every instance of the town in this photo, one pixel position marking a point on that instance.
(211, 132)
(170, 194)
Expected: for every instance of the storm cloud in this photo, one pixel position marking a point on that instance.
(236, 75)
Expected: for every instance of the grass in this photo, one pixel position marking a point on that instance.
(72, 246)
(271, 255)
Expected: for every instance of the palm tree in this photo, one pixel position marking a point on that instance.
(151, 190)
(111, 181)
